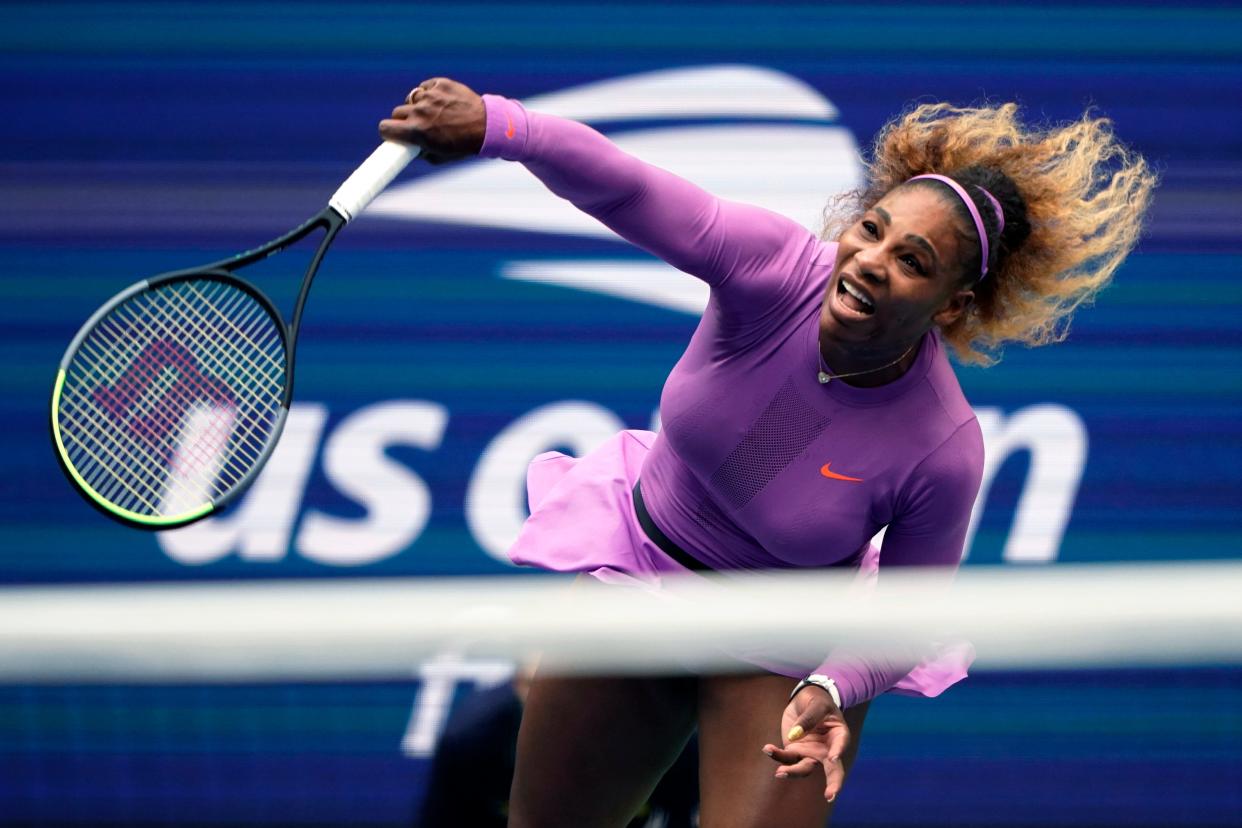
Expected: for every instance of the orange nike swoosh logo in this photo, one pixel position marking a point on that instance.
(829, 473)
(509, 130)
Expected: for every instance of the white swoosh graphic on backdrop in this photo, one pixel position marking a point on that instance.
(699, 92)
(654, 284)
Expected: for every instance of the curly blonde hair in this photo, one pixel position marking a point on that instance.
(1073, 197)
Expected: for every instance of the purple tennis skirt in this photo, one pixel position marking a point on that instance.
(582, 520)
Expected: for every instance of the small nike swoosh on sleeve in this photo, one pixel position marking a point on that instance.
(509, 130)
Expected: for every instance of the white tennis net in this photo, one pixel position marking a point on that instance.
(1056, 617)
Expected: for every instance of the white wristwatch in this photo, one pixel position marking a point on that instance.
(820, 681)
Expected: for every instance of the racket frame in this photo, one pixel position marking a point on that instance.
(349, 200)
(223, 271)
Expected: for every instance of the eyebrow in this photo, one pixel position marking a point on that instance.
(927, 248)
(921, 242)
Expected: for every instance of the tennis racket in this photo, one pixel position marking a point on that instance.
(171, 397)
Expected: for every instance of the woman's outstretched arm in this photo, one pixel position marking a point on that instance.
(670, 217)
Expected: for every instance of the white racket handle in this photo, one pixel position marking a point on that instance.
(366, 182)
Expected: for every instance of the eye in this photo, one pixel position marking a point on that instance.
(870, 228)
(914, 264)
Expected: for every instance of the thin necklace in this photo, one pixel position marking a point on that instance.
(825, 377)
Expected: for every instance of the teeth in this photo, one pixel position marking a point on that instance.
(852, 291)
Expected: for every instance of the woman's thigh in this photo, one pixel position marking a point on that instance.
(590, 750)
(737, 786)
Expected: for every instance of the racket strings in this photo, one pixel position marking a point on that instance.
(125, 466)
(173, 396)
(237, 376)
(187, 449)
(129, 456)
(124, 460)
(205, 449)
(266, 382)
(247, 374)
(156, 385)
(117, 457)
(257, 312)
(118, 476)
(151, 376)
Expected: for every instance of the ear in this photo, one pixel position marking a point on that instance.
(953, 308)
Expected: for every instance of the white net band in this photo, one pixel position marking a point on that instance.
(1067, 616)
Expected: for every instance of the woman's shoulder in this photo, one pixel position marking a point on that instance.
(775, 299)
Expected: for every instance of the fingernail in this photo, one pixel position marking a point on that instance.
(768, 751)
(830, 797)
(834, 758)
(781, 775)
(795, 733)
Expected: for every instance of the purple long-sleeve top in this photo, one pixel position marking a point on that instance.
(758, 464)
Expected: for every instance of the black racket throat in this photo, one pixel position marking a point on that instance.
(328, 220)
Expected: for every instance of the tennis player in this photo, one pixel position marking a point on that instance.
(814, 405)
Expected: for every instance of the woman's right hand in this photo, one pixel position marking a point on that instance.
(443, 117)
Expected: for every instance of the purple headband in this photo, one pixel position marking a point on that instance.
(974, 213)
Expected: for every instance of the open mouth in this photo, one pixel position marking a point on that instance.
(854, 298)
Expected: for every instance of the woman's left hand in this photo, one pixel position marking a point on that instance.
(815, 736)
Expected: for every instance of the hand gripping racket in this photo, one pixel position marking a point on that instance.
(173, 394)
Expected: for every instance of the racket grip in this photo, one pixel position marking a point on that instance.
(366, 182)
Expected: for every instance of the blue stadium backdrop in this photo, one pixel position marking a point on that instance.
(469, 321)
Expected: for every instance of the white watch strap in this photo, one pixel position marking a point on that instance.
(821, 681)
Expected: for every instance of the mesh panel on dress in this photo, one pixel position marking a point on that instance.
(783, 431)
(708, 515)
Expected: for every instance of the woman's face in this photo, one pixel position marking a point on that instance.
(898, 273)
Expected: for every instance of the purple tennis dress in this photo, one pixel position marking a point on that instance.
(758, 465)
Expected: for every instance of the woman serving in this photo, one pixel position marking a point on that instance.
(813, 406)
